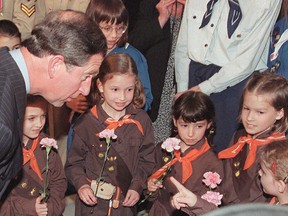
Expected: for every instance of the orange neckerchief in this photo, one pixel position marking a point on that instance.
(114, 124)
(28, 155)
(186, 162)
(234, 150)
(273, 201)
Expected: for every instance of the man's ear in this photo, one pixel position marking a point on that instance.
(55, 64)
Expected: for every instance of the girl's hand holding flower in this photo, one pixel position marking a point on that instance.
(41, 208)
(153, 185)
(86, 195)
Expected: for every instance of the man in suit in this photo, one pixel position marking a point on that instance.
(57, 62)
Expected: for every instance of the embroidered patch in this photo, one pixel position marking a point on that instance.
(28, 11)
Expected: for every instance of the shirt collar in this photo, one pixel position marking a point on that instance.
(19, 59)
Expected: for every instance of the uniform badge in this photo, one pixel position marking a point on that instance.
(28, 11)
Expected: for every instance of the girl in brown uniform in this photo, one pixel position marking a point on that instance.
(193, 116)
(117, 95)
(264, 115)
(25, 198)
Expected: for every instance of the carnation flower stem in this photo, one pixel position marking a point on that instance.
(168, 169)
(45, 194)
(99, 179)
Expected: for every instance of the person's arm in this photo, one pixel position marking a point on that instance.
(147, 30)
(249, 51)
(146, 157)
(181, 55)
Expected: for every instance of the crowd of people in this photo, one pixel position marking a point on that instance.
(178, 107)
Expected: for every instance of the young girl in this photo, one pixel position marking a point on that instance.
(118, 96)
(25, 198)
(112, 18)
(264, 109)
(274, 171)
(193, 117)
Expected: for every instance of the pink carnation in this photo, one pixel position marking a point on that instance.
(171, 144)
(49, 142)
(107, 133)
(211, 179)
(213, 197)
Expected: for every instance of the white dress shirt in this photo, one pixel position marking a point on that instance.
(245, 52)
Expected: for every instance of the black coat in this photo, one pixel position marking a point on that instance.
(155, 44)
(12, 108)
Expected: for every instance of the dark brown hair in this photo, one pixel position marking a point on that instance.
(117, 63)
(195, 106)
(36, 101)
(8, 28)
(109, 11)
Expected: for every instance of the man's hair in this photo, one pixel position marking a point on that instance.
(68, 33)
(9, 29)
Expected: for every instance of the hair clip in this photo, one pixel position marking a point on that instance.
(273, 167)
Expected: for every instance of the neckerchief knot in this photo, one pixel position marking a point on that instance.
(185, 161)
(234, 150)
(28, 155)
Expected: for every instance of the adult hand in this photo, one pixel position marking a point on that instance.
(79, 104)
(153, 185)
(86, 195)
(184, 197)
(164, 8)
(41, 208)
(177, 8)
(131, 198)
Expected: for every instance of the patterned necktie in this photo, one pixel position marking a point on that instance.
(234, 16)
(208, 14)
(234, 150)
(186, 162)
(28, 155)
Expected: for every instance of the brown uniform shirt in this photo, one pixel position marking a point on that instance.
(131, 154)
(243, 186)
(204, 163)
(27, 186)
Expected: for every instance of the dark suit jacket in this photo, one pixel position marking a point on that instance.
(155, 44)
(12, 108)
